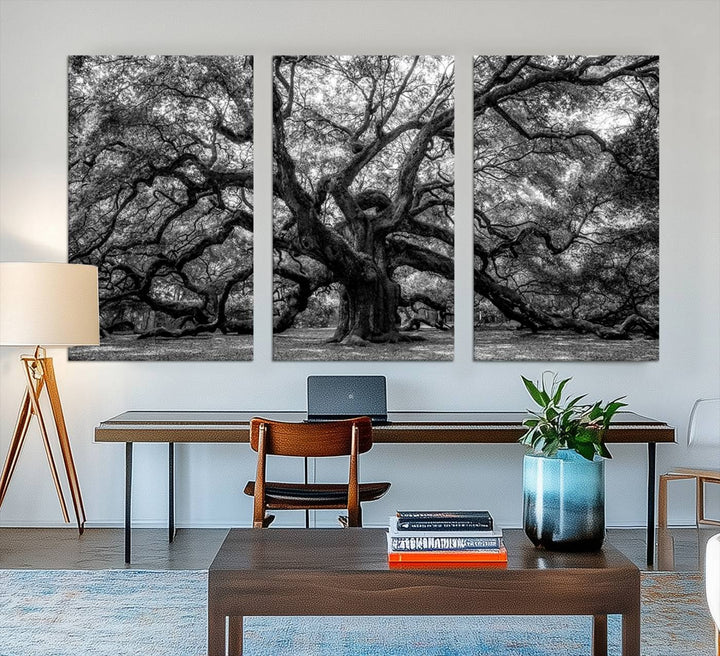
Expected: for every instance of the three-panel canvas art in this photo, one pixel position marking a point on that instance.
(565, 206)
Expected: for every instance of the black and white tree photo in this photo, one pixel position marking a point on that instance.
(161, 201)
(566, 212)
(363, 226)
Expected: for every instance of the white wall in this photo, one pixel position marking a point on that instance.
(37, 36)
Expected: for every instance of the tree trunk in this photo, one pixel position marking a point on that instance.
(368, 311)
(295, 303)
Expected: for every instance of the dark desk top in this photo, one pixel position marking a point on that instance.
(405, 426)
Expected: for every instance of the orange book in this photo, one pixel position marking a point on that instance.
(468, 564)
(449, 557)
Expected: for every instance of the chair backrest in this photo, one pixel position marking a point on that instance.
(704, 423)
(311, 440)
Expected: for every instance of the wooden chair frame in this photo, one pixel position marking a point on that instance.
(349, 437)
(701, 477)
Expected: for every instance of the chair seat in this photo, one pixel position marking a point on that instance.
(316, 495)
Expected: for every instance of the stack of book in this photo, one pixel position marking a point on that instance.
(445, 538)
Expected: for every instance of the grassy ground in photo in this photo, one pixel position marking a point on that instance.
(497, 343)
(200, 347)
(310, 344)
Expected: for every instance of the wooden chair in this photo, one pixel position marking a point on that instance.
(701, 477)
(349, 437)
(703, 428)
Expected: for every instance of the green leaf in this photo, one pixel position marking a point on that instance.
(586, 436)
(595, 411)
(552, 447)
(566, 418)
(586, 451)
(543, 392)
(576, 400)
(558, 393)
(610, 409)
(528, 437)
(534, 392)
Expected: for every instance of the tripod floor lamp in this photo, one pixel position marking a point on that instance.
(46, 304)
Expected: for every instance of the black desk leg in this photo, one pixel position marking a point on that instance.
(307, 512)
(128, 497)
(171, 491)
(651, 505)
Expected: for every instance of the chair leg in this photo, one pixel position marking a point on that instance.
(665, 549)
(699, 501)
(354, 516)
(662, 501)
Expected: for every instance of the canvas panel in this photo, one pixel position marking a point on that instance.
(363, 208)
(566, 211)
(160, 183)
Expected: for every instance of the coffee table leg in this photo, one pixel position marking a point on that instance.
(631, 633)
(599, 635)
(235, 636)
(216, 634)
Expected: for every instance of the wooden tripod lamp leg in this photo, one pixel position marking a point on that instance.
(18, 437)
(64, 440)
(40, 373)
(34, 372)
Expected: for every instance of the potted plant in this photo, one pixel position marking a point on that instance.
(564, 467)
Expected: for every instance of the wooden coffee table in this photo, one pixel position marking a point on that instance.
(345, 572)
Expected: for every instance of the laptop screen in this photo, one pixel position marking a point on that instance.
(341, 397)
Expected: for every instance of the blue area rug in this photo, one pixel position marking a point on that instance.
(129, 612)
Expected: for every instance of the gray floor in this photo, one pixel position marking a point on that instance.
(680, 549)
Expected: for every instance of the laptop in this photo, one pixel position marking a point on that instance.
(331, 398)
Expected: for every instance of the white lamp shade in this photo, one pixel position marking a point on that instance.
(48, 304)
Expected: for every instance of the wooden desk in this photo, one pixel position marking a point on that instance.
(404, 427)
(279, 572)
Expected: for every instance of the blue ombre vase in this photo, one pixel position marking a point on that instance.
(564, 501)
